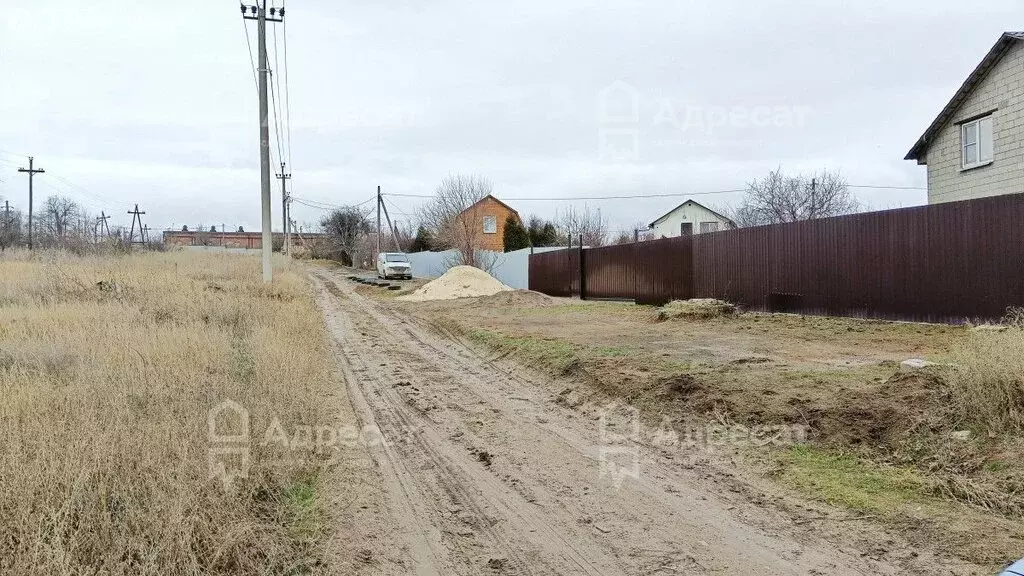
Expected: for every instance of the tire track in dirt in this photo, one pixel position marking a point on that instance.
(511, 540)
(540, 490)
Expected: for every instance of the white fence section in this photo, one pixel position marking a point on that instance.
(511, 268)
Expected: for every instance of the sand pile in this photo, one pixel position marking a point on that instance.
(458, 282)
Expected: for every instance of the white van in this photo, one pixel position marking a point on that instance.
(393, 265)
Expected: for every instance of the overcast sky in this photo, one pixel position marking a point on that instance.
(126, 101)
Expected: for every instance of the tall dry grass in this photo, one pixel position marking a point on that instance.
(108, 368)
(988, 377)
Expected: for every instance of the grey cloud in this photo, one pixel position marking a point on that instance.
(141, 98)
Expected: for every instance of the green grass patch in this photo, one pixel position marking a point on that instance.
(610, 351)
(601, 308)
(852, 482)
(303, 515)
(556, 355)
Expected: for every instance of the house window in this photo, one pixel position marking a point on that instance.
(490, 225)
(686, 228)
(708, 227)
(976, 142)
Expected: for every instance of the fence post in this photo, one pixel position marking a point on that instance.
(583, 272)
(568, 267)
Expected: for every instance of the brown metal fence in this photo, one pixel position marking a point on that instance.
(941, 262)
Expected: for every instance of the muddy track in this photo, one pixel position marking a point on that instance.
(483, 471)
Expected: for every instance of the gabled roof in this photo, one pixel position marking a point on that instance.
(987, 63)
(695, 203)
(491, 196)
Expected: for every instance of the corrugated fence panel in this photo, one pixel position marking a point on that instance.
(665, 270)
(945, 262)
(745, 280)
(549, 273)
(612, 271)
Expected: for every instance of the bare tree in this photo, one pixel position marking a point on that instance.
(590, 224)
(624, 237)
(780, 198)
(10, 228)
(59, 215)
(345, 228)
(456, 218)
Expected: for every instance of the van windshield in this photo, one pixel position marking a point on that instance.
(396, 258)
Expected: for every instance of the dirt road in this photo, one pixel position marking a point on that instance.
(484, 471)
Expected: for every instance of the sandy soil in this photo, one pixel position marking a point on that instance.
(486, 470)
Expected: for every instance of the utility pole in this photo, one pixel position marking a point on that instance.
(394, 235)
(259, 14)
(284, 208)
(32, 171)
(102, 221)
(101, 227)
(136, 215)
(379, 199)
(814, 189)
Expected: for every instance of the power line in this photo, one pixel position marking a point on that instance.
(252, 61)
(622, 197)
(396, 210)
(287, 93)
(326, 205)
(666, 195)
(885, 187)
(273, 102)
(278, 103)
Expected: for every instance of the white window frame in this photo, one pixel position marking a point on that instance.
(984, 137)
(493, 228)
(717, 226)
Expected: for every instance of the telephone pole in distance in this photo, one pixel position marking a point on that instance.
(32, 171)
(285, 248)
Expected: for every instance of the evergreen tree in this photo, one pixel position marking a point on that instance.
(516, 237)
(542, 233)
(423, 242)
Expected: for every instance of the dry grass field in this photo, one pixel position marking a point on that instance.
(109, 366)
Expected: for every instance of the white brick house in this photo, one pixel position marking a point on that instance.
(690, 218)
(975, 146)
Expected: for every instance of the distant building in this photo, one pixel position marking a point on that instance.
(689, 218)
(248, 240)
(488, 217)
(975, 146)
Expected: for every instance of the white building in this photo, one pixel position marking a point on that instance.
(975, 146)
(690, 218)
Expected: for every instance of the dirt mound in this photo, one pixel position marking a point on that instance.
(695, 308)
(886, 415)
(458, 282)
(518, 299)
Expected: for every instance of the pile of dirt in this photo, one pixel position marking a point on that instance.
(518, 299)
(696, 308)
(887, 416)
(458, 282)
